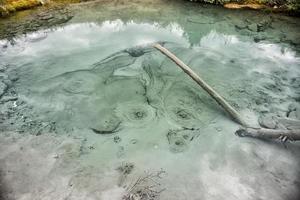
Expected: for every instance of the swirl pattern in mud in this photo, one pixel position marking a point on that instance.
(179, 140)
(135, 114)
(185, 107)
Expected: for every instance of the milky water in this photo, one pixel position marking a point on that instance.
(98, 78)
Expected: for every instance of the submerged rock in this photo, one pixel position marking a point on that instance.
(5, 99)
(108, 124)
(3, 88)
(267, 122)
(292, 115)
(2, 68)
(295, 114)
(252, 27)
(289, 123)
(292, 106)
(295, 82)
(135, 52)
(294, 111)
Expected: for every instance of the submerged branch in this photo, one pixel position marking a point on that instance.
(263, 133)
(218, 98)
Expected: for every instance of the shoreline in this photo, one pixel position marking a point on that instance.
(10, 7)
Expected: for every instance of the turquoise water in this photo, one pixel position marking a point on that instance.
(97, 78)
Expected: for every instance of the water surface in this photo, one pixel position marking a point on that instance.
(97, 78)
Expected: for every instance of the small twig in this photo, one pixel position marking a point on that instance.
(145, 187)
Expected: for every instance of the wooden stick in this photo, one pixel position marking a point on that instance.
(264, 133)
(218, 98)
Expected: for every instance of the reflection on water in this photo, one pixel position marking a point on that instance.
(77, 79)
(105, 82)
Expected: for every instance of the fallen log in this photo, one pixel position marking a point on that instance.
(264, 133)
(245, 131)
(218, 98)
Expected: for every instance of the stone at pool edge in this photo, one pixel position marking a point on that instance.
(252, 27)
(53, 16)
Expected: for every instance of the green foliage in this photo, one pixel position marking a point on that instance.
(9, 6)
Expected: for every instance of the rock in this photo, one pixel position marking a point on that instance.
(13, 77)
(292, 115)
(46, 17)
(243, 6)
(252, 27)
(3, 76)
(274, 87)
(135, 52)
(293, 106)
(3, 88)
(8, 98)
(3, 11)
(267, 122)
(264, 24)
(240, 26)
(294, 111)
(295, 82)
(109, 126)
(259, 38)
(2, 68)
(289, 123)
(298, 114)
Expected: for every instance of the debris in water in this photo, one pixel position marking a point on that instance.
(125, 169)
(147, 187)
